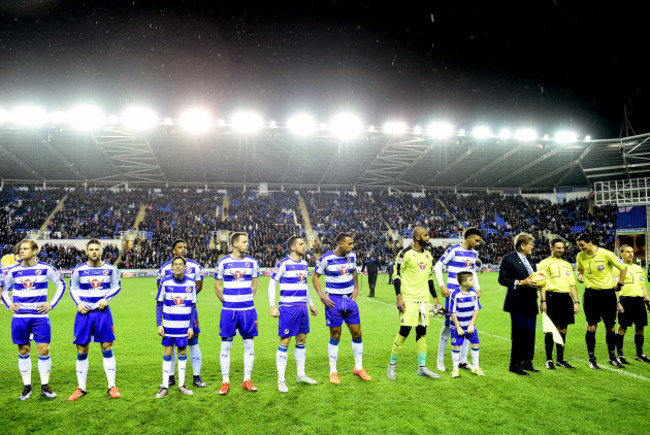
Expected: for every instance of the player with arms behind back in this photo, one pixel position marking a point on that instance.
(27, 282)
(92, 286)
(291, 273)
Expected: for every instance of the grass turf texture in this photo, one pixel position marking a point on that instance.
(563, 401)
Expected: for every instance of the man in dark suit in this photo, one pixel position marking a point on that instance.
(521, 303)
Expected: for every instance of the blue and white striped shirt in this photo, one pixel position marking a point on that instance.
(179, 300)
(28, 285)
(464, 305)
(237, 275)
(292, 276)
(458, 259)
(338, 271)
(90, 284)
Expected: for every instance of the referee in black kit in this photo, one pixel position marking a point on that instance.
(372, 264)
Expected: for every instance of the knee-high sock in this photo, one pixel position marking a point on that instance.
(397, 348)
(300, 354)
(464, 350)
(109, 367)
(249, 358)
(610, 339)
(182, 367)
(281, 362)
(195, 359)
(421, 346)
(333, 353)
(619, 343)
(25, 367)
(166, 370)
(357, 349)
(638, 341)
(224, 359)
(559, 348)
(445, 333)
(82, 370)
(44, 368)
(548, 345)
(590, 339)
(475, 357)
(455, 357)
(173, 360)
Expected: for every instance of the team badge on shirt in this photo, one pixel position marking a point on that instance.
(38, 271)
(601, 267)
(106, 272)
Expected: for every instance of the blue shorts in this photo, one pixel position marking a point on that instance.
(345, 310)
(243, 320)
(175, 341)
(96, 326)
(24, 329)
(457, 340)
(293, 320)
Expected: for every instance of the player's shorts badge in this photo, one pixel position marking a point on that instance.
(286, 331)
(453, 340)
(328, 321)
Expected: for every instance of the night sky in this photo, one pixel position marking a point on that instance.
(546, 64)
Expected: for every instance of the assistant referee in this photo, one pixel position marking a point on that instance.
(600, 301)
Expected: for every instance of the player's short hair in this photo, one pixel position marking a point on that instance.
(178, 257)
(463, 276)
(291, 242)
(17, 247)
(556, 240)
(93, 242)
(587, 238)
(176, 242)
(522, 239)
(342, 236)
(472, 231)
(625, 246)
(234, 237)
(32, 243)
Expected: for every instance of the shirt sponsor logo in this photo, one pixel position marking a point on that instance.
(95, 283)
(178, 300)
(468, 262)
(422, 265)
(27, 283)
(343, 270)
(302, 276)
(238, 274)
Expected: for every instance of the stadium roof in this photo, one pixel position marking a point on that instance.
(170, 156)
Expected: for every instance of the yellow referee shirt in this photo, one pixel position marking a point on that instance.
(597, 269)
(414, 270)
(8, 260)
(559, 274)
(634, 280)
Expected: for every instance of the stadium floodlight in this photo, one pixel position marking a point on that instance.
(566, 137)
(139, 118)
(587, 138)
(346, 126)
(546, 138)
(195, 121)
(372, 129)
(505, 134)
(4, 116)
(525, 135)
(86, 117)
(168, 121)
(440, 130)
(247, 122)
(301, 125)
(113, 120)
(273, 124)
(58, 117)
(417, 130)
(221, 123)
(29, 116)
(461, 132)
(323, 126)
(482, 132)
(395, 128)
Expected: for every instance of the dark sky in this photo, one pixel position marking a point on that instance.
(547, 64)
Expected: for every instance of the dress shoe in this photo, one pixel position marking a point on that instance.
(520, 372)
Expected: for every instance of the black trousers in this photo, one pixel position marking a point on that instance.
(522, 334)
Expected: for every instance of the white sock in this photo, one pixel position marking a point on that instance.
(249, 358)
(44, 368)
(357, 349)
(455, 357)
(172, 368)
(182, 366)
(195, 359)
(445, 333)
(333, 353)
(25, 367)
(299, 352)
(475, 357)
(82, 371)
(224, 358)
(464, 350)
(167, 371)
(281, 362)
(109, 367)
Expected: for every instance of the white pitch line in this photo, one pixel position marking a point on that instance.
(619, 371)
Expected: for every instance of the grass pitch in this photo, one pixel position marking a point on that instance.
(563, 401)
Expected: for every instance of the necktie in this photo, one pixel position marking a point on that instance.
(528, 267)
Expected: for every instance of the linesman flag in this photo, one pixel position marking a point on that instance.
(548, 326)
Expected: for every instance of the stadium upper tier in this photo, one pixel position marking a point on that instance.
(272, 218)
(167, 156)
